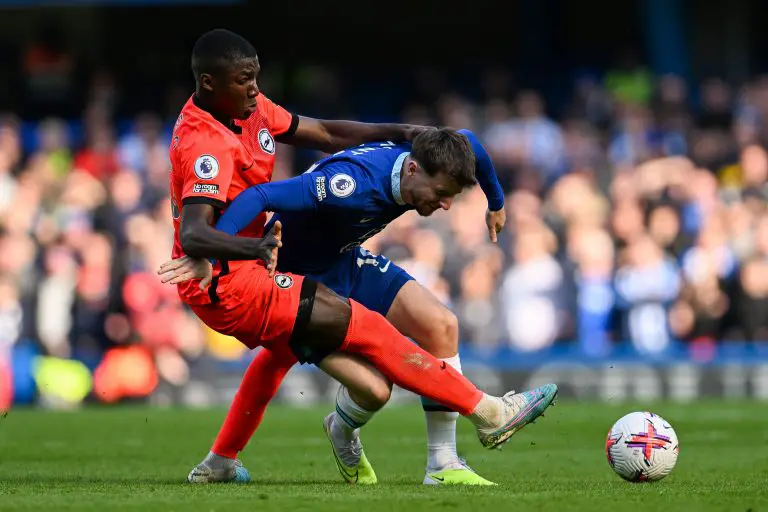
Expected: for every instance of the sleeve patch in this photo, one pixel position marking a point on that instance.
(320, 188)
(205, 188)
(206, 167)
(342, 185)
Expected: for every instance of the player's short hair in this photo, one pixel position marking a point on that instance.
(446, 150)
(217, 49)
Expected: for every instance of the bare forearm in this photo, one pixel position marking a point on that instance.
(345, 134)
(210, 243)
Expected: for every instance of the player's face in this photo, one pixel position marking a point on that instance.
(432, 193)
(237, 95)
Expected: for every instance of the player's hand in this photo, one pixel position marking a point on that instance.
(277, 232)
(412, 130)
(495, 222)
(268, 247)
(185, 268)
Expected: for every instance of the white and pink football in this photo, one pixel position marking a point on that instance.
(642, 447)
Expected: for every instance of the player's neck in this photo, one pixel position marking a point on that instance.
(204, 103)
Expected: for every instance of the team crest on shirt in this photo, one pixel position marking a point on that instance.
(206, 167)
(283, 281)
(266, 141)
(342, 185)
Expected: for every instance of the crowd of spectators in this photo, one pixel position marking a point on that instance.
(636, 215)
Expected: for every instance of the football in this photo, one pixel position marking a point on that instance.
(642, 447)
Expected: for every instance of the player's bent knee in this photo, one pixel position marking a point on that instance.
(381, 393)
(374, 396)
(451, 326)
(442, 336)
(321, 323)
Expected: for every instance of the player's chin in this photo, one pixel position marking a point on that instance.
(425, 211)
(247, 112)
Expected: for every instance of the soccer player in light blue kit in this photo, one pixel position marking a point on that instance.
(333, 208)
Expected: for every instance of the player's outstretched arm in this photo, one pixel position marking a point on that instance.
(306, 192)
(485, 173)
(199, 239)
(489, 183)
(279, 196)
(334, 135)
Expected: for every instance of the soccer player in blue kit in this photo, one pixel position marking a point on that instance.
(326, 214)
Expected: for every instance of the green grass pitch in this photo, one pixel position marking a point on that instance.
(138, 458)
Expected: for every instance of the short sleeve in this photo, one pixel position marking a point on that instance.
(281, 122)
(207, 170)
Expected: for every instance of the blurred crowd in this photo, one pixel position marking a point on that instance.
(637, 215)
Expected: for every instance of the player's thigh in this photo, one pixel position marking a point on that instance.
(321, 324)
(418, 314)
(367, 385)
(255, 308)
(376, 281)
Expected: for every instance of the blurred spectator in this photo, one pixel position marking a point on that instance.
(591, 249)
(716, 110)
(753, 300)
(98, 157)
(477, 308)
(630, 81)
(533, 288)
(646, 284)
(55, 300)
(665, 228)
(136, 147)
(529, 144)
(591, 102)
(10, 161)
(426, 261)
(55, 151)
(11, 315)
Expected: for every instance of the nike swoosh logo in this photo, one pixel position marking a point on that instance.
(350, 476)
(438, 478)
(385, 267)
(246, 168)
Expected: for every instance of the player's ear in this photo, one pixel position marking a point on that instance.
(411, 168)
(206, 82)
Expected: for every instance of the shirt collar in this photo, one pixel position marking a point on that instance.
(395, 178)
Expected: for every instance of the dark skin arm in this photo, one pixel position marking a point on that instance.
(333, 136)
(199, 239)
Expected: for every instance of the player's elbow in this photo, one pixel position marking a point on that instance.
(329, 144)
(192, 243)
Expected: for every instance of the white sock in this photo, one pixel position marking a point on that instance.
(487, 412)
(352, 416)
(441, 430)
